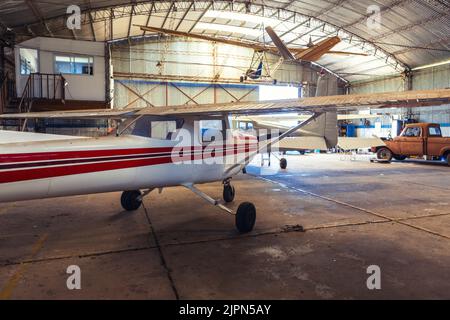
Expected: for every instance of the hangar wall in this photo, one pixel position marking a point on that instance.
(183, 71)
(424, 79)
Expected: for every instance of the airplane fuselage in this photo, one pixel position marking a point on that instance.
(64, 167)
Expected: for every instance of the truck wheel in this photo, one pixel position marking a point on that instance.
(448, 159)
(399, 158)
(384, 154)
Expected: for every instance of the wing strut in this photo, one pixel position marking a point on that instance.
(264, 146)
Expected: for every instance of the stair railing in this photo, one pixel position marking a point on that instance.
(47, 86)
(3, 93)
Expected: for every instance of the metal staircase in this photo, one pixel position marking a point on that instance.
(39, 88)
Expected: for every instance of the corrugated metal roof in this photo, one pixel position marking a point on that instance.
(412, 32)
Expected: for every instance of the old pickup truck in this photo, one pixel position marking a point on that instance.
(416, 140)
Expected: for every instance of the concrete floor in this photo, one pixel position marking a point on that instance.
(355, 214)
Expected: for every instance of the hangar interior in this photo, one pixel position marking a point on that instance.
(323, 220)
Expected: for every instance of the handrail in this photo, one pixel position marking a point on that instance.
(25, 93)
(46, 86)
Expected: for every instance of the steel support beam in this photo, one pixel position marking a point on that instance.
(38, 15)
(136, 93)
(306, 33)
(184, 15)
(149, 15)
(131, 20)
(184, 93)
(201, 16)
(168, 13)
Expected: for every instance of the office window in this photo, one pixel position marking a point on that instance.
(74, 65)
(29, 61)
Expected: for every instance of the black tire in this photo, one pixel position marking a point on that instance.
(283, 163)
(228, 193)
(245, 217)
(384, 154)
(448, 158)
(131, 200)
(399, 158)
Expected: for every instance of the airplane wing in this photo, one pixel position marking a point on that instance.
(279, 48)
(405, 99)
(17, 136)
(352, 143)
(283, 50)
(74, 114)
(239, 43)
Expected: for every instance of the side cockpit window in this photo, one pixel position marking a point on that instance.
(155, 127)
(211, 130)
(162, 130)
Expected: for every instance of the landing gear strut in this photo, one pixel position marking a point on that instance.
(245, 215)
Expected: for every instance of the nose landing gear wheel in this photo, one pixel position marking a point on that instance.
(245, 217)
(283, 163)
(228, 193)
(131, 200)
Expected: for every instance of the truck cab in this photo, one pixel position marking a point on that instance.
(416, 140)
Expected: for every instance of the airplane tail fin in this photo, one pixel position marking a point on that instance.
(259, 70)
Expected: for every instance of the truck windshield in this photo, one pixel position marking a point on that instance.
(411, 132)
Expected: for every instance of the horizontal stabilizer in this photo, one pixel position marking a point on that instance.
(303, 143)
(347, 143)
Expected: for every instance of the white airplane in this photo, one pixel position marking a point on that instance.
(163, 147)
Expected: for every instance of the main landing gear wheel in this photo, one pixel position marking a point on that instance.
(283, 163)
(131, 200)
(228, 193)
(245, 217)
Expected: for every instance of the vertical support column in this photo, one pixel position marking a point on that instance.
(167, 94)
(2, 62)
(407, 86)
(108, 75)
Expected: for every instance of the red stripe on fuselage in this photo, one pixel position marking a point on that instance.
(81, 154)
(64, 155)
(57, 171)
